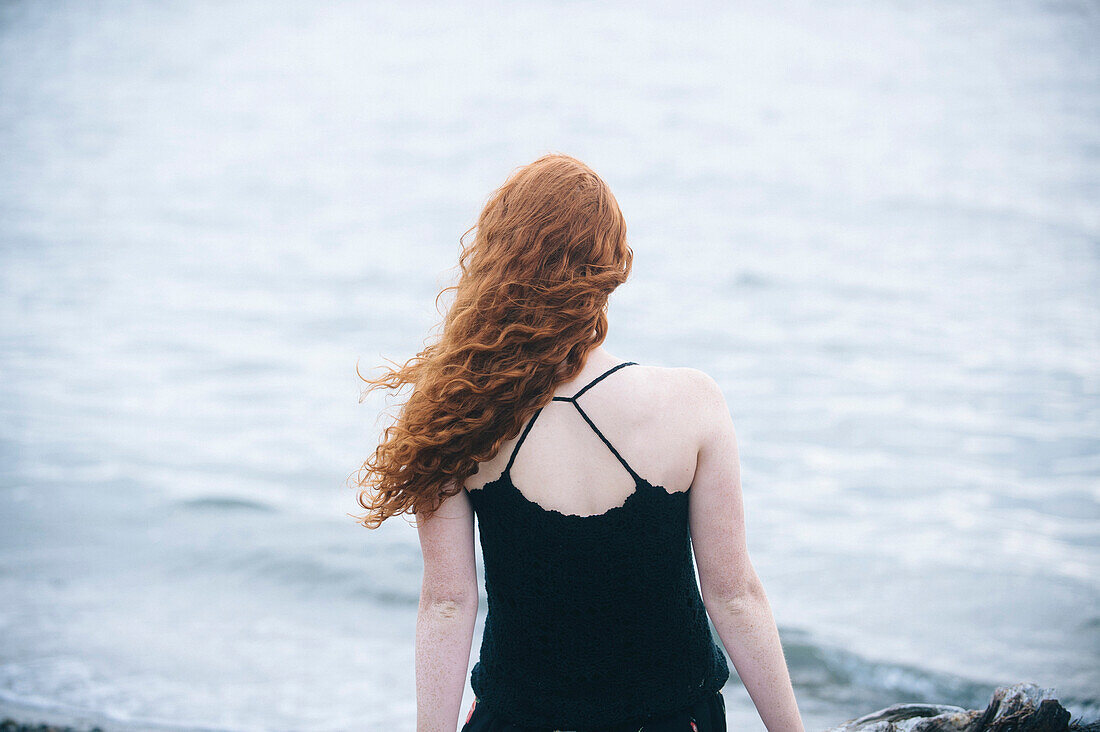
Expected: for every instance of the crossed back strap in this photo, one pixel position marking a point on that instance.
(573, 399)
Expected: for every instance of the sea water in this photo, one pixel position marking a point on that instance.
(874, 223)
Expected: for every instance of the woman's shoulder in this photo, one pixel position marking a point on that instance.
(688, 398)
(683, 384)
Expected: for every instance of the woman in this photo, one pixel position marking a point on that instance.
(595, 619)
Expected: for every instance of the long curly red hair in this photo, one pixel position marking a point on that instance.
(531, 302)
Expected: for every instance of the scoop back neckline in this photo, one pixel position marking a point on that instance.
(505, 480)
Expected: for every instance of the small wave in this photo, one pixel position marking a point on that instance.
(749, 278)
(44, 712)
(351, 577)
(848, 680)
(223, 503)
(835, 673)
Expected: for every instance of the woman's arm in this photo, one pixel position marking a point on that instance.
(446, 615)
(748, 632)
(731, 590)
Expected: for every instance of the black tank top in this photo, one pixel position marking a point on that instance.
(593, 621)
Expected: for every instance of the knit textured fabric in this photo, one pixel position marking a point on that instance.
(593, 621)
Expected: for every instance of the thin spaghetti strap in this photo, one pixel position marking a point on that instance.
(522, 437)
(592, 424)
(589, 385)
(602, 376)
(637, 478)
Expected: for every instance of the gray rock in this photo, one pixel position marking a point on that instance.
(1018, 708)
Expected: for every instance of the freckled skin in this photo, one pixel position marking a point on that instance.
(446, 608)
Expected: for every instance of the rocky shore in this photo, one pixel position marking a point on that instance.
(1018, 708)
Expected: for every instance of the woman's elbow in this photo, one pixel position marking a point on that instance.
(449, 602)
(738, 597)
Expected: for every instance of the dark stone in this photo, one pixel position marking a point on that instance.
(1018, 708)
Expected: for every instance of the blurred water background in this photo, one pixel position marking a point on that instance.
(876, 224)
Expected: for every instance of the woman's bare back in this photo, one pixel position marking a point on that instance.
(644, 412)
